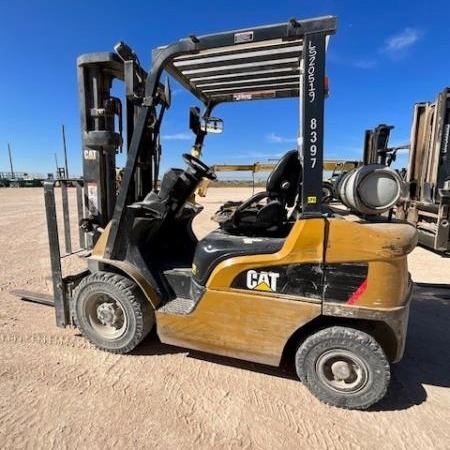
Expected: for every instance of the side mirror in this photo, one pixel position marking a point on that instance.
(194, 119)
(212, 125)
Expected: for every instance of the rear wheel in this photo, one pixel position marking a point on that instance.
(111, 312)
(343, 367)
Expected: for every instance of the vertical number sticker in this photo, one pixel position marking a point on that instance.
(313, 140)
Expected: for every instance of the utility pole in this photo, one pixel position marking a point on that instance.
(10, 161)
(56, 162)
(65, 152)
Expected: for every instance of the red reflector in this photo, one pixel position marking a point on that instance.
(357, 294)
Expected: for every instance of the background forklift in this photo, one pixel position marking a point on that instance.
(426, 201)
(427, 204)
(330, 294)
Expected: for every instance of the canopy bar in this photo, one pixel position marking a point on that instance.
(239, 48)
(257, 86)
(255, 95)
(289, 63)
(246, 80)
(247, 75)
(260, 55)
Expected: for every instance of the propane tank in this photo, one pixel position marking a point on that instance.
(370, 189)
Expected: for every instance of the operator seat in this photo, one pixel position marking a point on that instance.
(281, 191)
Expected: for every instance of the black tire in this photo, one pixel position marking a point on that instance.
(343, 367)
(111, 312)
(327, 192)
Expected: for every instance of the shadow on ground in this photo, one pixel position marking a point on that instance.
(425, 361)
(436, 252)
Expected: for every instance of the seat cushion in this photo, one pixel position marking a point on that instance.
(254, 220)
(219, 245)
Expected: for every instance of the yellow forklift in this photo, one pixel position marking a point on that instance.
(289, 281)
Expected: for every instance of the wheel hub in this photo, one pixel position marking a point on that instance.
(341, 370)
(109, 314)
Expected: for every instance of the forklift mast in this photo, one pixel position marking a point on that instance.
(429, 163)
(428, 204)
(102, 132)
(376, 145)
(100, 139)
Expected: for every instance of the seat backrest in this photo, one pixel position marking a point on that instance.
(283, 182)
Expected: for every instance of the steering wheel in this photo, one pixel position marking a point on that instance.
(200, 167)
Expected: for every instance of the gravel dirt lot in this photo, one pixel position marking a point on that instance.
(58, 392)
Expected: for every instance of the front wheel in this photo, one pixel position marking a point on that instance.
(343, 367)
(111, 312)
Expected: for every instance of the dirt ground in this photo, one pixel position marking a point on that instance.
(58, 392)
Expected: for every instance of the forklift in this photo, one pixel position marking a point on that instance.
(427, 204)
(290, 282)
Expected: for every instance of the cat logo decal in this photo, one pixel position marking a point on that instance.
(262, 281)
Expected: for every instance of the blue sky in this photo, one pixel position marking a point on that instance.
(386, 56)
